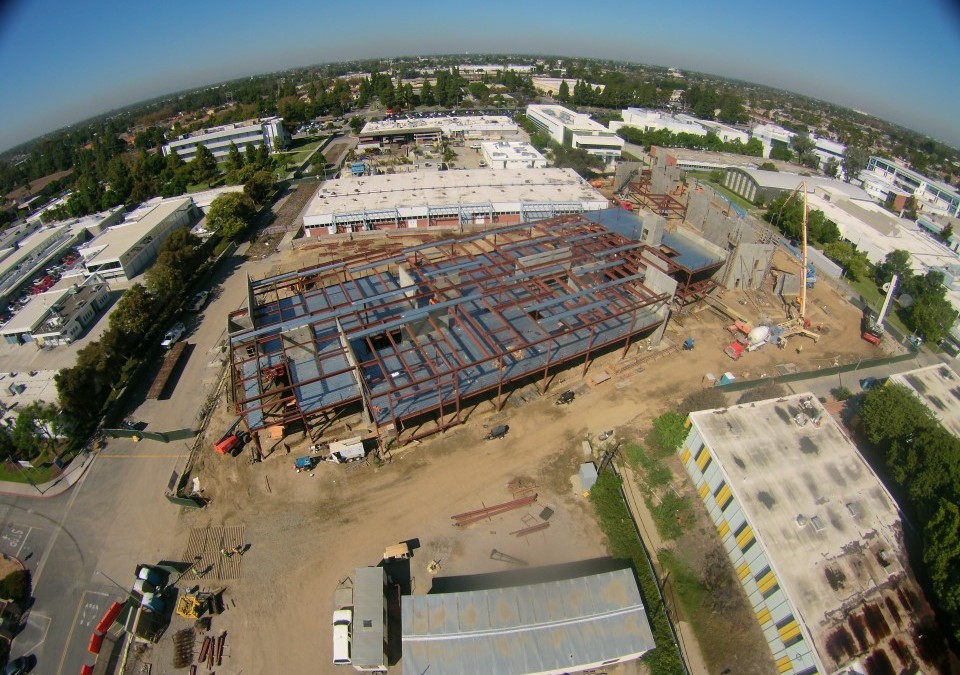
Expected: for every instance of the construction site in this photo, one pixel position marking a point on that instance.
(386, 339)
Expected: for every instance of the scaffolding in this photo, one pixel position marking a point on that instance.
(416, 334)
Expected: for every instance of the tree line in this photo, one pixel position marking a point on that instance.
(665, 138)
(86, 388)
(922, 459)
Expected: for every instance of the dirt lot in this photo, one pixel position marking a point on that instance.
(309, 531)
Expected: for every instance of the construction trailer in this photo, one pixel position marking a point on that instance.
(408, 339)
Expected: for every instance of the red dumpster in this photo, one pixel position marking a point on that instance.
(109, 617)
(86, 670)
(96, 642)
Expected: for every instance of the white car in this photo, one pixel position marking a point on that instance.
(172, 335)
(342, 624)
(199, 300)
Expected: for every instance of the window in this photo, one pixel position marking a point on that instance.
(723, 495)
(703, 459)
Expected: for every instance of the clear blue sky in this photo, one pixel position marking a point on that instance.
(61, 62)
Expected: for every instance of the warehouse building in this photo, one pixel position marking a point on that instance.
(447, 199)
(812, 533)
(267, 131)
(512, 155)
(407, 338)
(774, 136)
(431, 130)
(26, 250)
(125, 250)
(576, 130)
(567, 626)
(761, 187)
(884, 176)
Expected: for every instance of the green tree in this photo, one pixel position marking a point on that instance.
(782, 153)
(932, 316)
(896, 262)
(134, 313)
(563, 95)
(426, 95)
(357, 124)
(768, 166)
(203, 166)
(855, 263)
(855, 160)
(803, 145)
(941, 553)
(259, 186)
(165, 283)
(234, 161)
(669, 431)
(230, 214)
(946, 233)
(832, 167)
(892, 413)
(250, 155)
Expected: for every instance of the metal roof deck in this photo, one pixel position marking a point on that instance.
(498, 308)
(546, 627)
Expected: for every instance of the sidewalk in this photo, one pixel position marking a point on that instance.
(73, 473)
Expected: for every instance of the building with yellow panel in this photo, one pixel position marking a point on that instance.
(810, 530)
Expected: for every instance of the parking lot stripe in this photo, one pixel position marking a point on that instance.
(139, 456)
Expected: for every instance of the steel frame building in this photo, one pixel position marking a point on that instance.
(410, 336)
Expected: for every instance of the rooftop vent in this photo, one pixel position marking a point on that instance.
(817, 523)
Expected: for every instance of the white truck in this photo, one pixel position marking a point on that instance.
(171, 336)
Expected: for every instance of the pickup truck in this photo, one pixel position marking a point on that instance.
(171, 336)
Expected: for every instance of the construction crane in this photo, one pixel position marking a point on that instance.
(875, 328)
(800, 325)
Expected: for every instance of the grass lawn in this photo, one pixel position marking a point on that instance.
(299, 154)
(43, 468)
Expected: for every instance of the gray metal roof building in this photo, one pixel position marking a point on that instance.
(752, 184)
(369, 619)
(563, 626)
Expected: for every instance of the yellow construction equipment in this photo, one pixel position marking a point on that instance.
(800, 324)
(189, 606)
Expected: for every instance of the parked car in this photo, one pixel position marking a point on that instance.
(198, 301)
(171, 336)
(342, 624)
(565, 397)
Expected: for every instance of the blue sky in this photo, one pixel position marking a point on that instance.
(62, 62)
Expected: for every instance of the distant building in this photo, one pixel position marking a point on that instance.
(813, 535)
(431, 130)
(447, 199)
(773, 136)
(757, 186)
(576, 130)
(677, 123)
(127, 249)
(512, 155)
(218, 139)
(883, 177)
(551, 85)
(566, 626)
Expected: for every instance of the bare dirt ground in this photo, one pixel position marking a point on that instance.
(309, 531)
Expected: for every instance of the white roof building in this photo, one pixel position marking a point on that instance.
(885, 176)
(677, 123)
(218, 139)
(812, 533)
(576, 130)
(60, 315)
(772, 135)
(450, 199)
(430, 130)
(512, 155)
(127, 249)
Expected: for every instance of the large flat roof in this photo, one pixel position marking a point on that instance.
(511, 151)
(782, 180)
(939, 388)
(418, 190)
(115, 241)
(823, 517)
(446, 124)
(907, 171)
(568, 118)
(546, 627)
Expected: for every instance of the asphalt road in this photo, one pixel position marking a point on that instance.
(82, 546)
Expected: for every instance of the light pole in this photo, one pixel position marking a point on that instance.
(126, 591)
